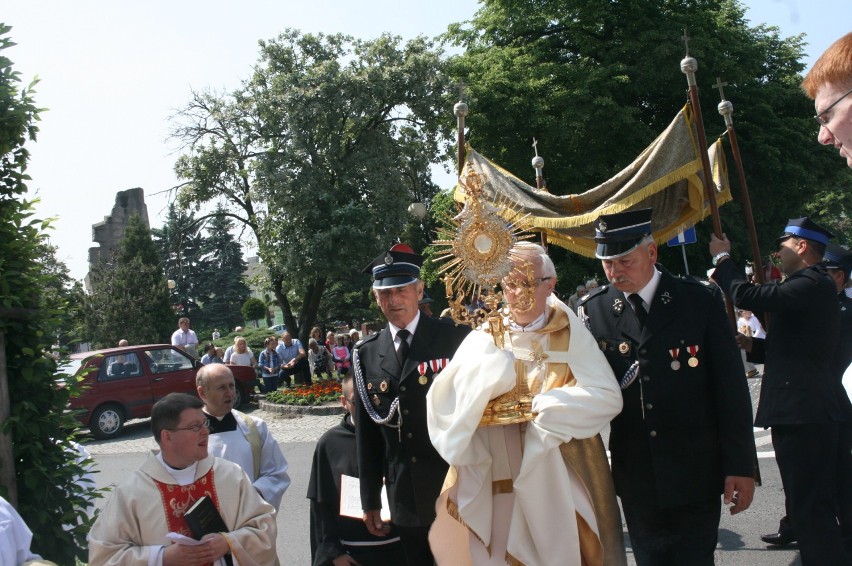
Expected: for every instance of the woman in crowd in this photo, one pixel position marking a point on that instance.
(270, 364)
(330, 343)
(242, 356)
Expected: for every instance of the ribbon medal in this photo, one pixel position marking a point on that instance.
(693, 360)
(421, 369)
(674, 353)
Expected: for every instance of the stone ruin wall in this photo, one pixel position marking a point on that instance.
(109, 233)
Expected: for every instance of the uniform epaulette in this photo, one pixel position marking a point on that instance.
(695, 280)
(592, 294)
(366, 339)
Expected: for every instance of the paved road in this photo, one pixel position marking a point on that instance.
(739, 542)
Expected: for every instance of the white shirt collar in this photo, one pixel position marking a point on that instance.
(182, 477)
(411, 327)
(649, 290)
(534, 326)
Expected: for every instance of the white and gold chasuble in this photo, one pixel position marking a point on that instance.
(537, 493)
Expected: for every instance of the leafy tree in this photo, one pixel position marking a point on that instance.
(221, 288)
(319, 155)
(253, 310)
(179, 244)
(595, 82)
(37, 472)
(129, 296)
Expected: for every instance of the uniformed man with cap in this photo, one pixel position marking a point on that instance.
(838, 263)
(684, 435)
(798, 395)
(394, 369)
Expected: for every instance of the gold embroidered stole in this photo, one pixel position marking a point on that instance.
(176, 499)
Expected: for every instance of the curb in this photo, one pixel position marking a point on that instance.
(319, 410)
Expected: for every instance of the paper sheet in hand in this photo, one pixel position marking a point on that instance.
(184, 540)
(350, 499)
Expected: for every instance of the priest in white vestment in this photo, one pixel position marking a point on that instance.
(142, 523)
(240, 438)
(538, 492)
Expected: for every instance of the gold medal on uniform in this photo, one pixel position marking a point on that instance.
(376, 401)
(383, 386)
(624, 348)
(369, 386)
(693, 360)
(674, 353)
(422, 367)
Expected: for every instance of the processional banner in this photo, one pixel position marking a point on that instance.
(667, 176)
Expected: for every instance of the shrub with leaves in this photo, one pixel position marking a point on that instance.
(46, 473)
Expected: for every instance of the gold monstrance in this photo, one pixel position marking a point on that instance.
(476, 247)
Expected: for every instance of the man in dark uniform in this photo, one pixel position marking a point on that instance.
(336, 539)
(838, 264)
(799, 392)
(393, 371)
(684, 435)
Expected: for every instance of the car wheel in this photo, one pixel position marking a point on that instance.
(238, 396)
(106, 422)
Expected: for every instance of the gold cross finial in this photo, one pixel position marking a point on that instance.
(719, 84)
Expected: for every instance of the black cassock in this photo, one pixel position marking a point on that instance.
(335, 455)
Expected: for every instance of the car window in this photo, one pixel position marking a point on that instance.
(120, 366)
(166, 360)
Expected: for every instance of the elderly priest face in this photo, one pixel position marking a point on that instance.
(530, 282)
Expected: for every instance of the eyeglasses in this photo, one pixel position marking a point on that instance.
(527, 285)
(821, 120)
(196, 428)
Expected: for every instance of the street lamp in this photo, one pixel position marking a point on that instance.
(417, 210)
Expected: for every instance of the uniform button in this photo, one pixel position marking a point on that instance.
(409, 435)
(413, 460)
(405, 411)
(402, 388)
(653, 433)
(646, 379)
(649, 406)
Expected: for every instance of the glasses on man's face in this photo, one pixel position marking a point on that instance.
(196, 428)
(821, 117)
(526, 285)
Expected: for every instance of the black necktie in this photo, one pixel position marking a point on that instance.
(638, 308)
(402, 351)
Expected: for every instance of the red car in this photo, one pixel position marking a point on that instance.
(124, 383)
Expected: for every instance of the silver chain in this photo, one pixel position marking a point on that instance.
(365, 397)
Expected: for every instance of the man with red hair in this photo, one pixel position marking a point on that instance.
(829, 84)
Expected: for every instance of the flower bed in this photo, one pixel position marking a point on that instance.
(303, 396)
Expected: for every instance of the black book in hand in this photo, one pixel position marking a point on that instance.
(203, 518)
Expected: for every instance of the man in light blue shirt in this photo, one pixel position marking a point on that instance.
(294, 361)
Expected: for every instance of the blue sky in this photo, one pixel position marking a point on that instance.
(113, 71)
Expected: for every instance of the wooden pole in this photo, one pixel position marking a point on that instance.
(726, 109)
(688, 66)
(460, 110)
